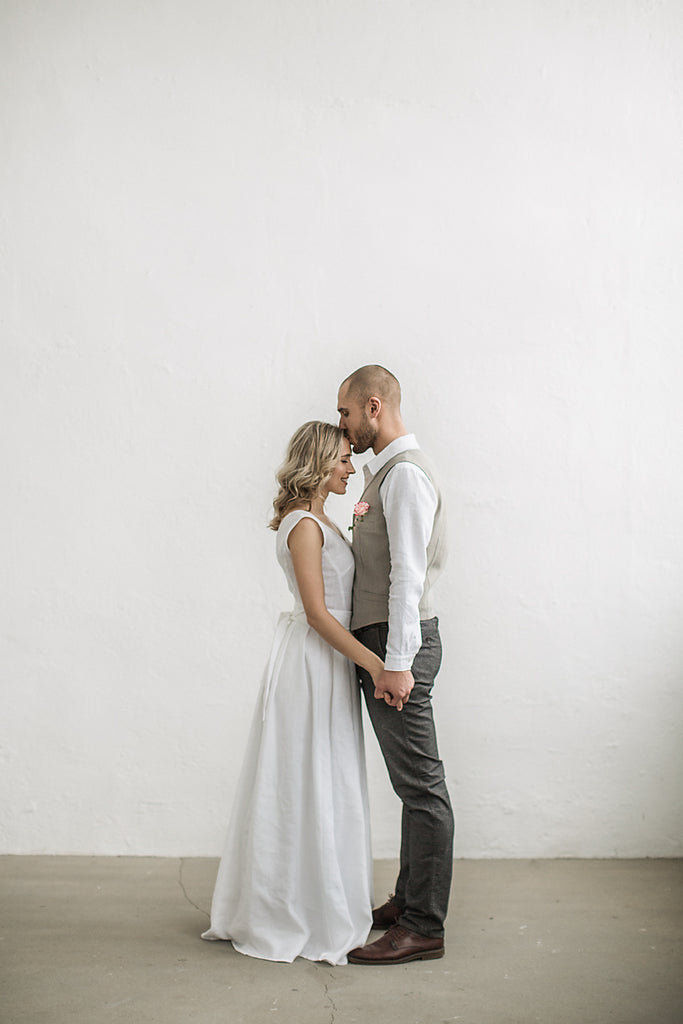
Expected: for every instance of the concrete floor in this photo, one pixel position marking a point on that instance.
(86, 940)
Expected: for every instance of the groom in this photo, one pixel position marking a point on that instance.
(399, 543)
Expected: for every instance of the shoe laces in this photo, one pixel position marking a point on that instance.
(397, 931)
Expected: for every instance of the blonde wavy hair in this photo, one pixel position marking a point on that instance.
(312, 454)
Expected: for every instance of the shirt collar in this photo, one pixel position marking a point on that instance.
(406, 443)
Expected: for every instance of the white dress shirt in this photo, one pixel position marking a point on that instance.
(409, 504)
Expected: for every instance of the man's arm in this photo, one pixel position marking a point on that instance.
(409, 504)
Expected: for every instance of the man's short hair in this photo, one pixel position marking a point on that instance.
(373, 381)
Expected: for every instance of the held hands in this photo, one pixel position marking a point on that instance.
(394, 687)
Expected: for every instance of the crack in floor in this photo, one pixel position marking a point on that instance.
(332, 1003)
(184, 890)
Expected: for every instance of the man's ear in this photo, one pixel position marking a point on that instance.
(375, 407)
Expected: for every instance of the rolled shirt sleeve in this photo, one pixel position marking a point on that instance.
(409, 504)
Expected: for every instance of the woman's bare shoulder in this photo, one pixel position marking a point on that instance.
(307, 530)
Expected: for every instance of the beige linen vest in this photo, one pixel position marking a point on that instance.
(371, 550)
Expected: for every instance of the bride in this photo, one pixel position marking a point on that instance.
(295, 878)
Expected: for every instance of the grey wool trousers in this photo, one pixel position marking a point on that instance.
(407, 739)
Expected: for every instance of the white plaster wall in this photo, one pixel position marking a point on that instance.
(215, 211)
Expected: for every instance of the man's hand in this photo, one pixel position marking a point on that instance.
(394, 688)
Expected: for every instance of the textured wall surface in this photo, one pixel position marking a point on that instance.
(214, 212)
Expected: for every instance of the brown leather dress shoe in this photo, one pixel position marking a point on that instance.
(388, 914)
(398, 946)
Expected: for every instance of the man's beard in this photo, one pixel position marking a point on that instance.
(365, 436)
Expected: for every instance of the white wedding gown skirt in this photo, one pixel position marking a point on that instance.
(295, 878)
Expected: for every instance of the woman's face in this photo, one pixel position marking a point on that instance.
(336, 484)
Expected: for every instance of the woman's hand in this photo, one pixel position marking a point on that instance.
(394, 688)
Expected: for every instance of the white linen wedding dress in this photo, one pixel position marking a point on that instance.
(295, 878)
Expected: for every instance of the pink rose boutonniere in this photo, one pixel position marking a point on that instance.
(359, 510)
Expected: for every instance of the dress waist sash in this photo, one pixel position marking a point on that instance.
(287, 622)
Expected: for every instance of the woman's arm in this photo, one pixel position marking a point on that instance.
(306, 543)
